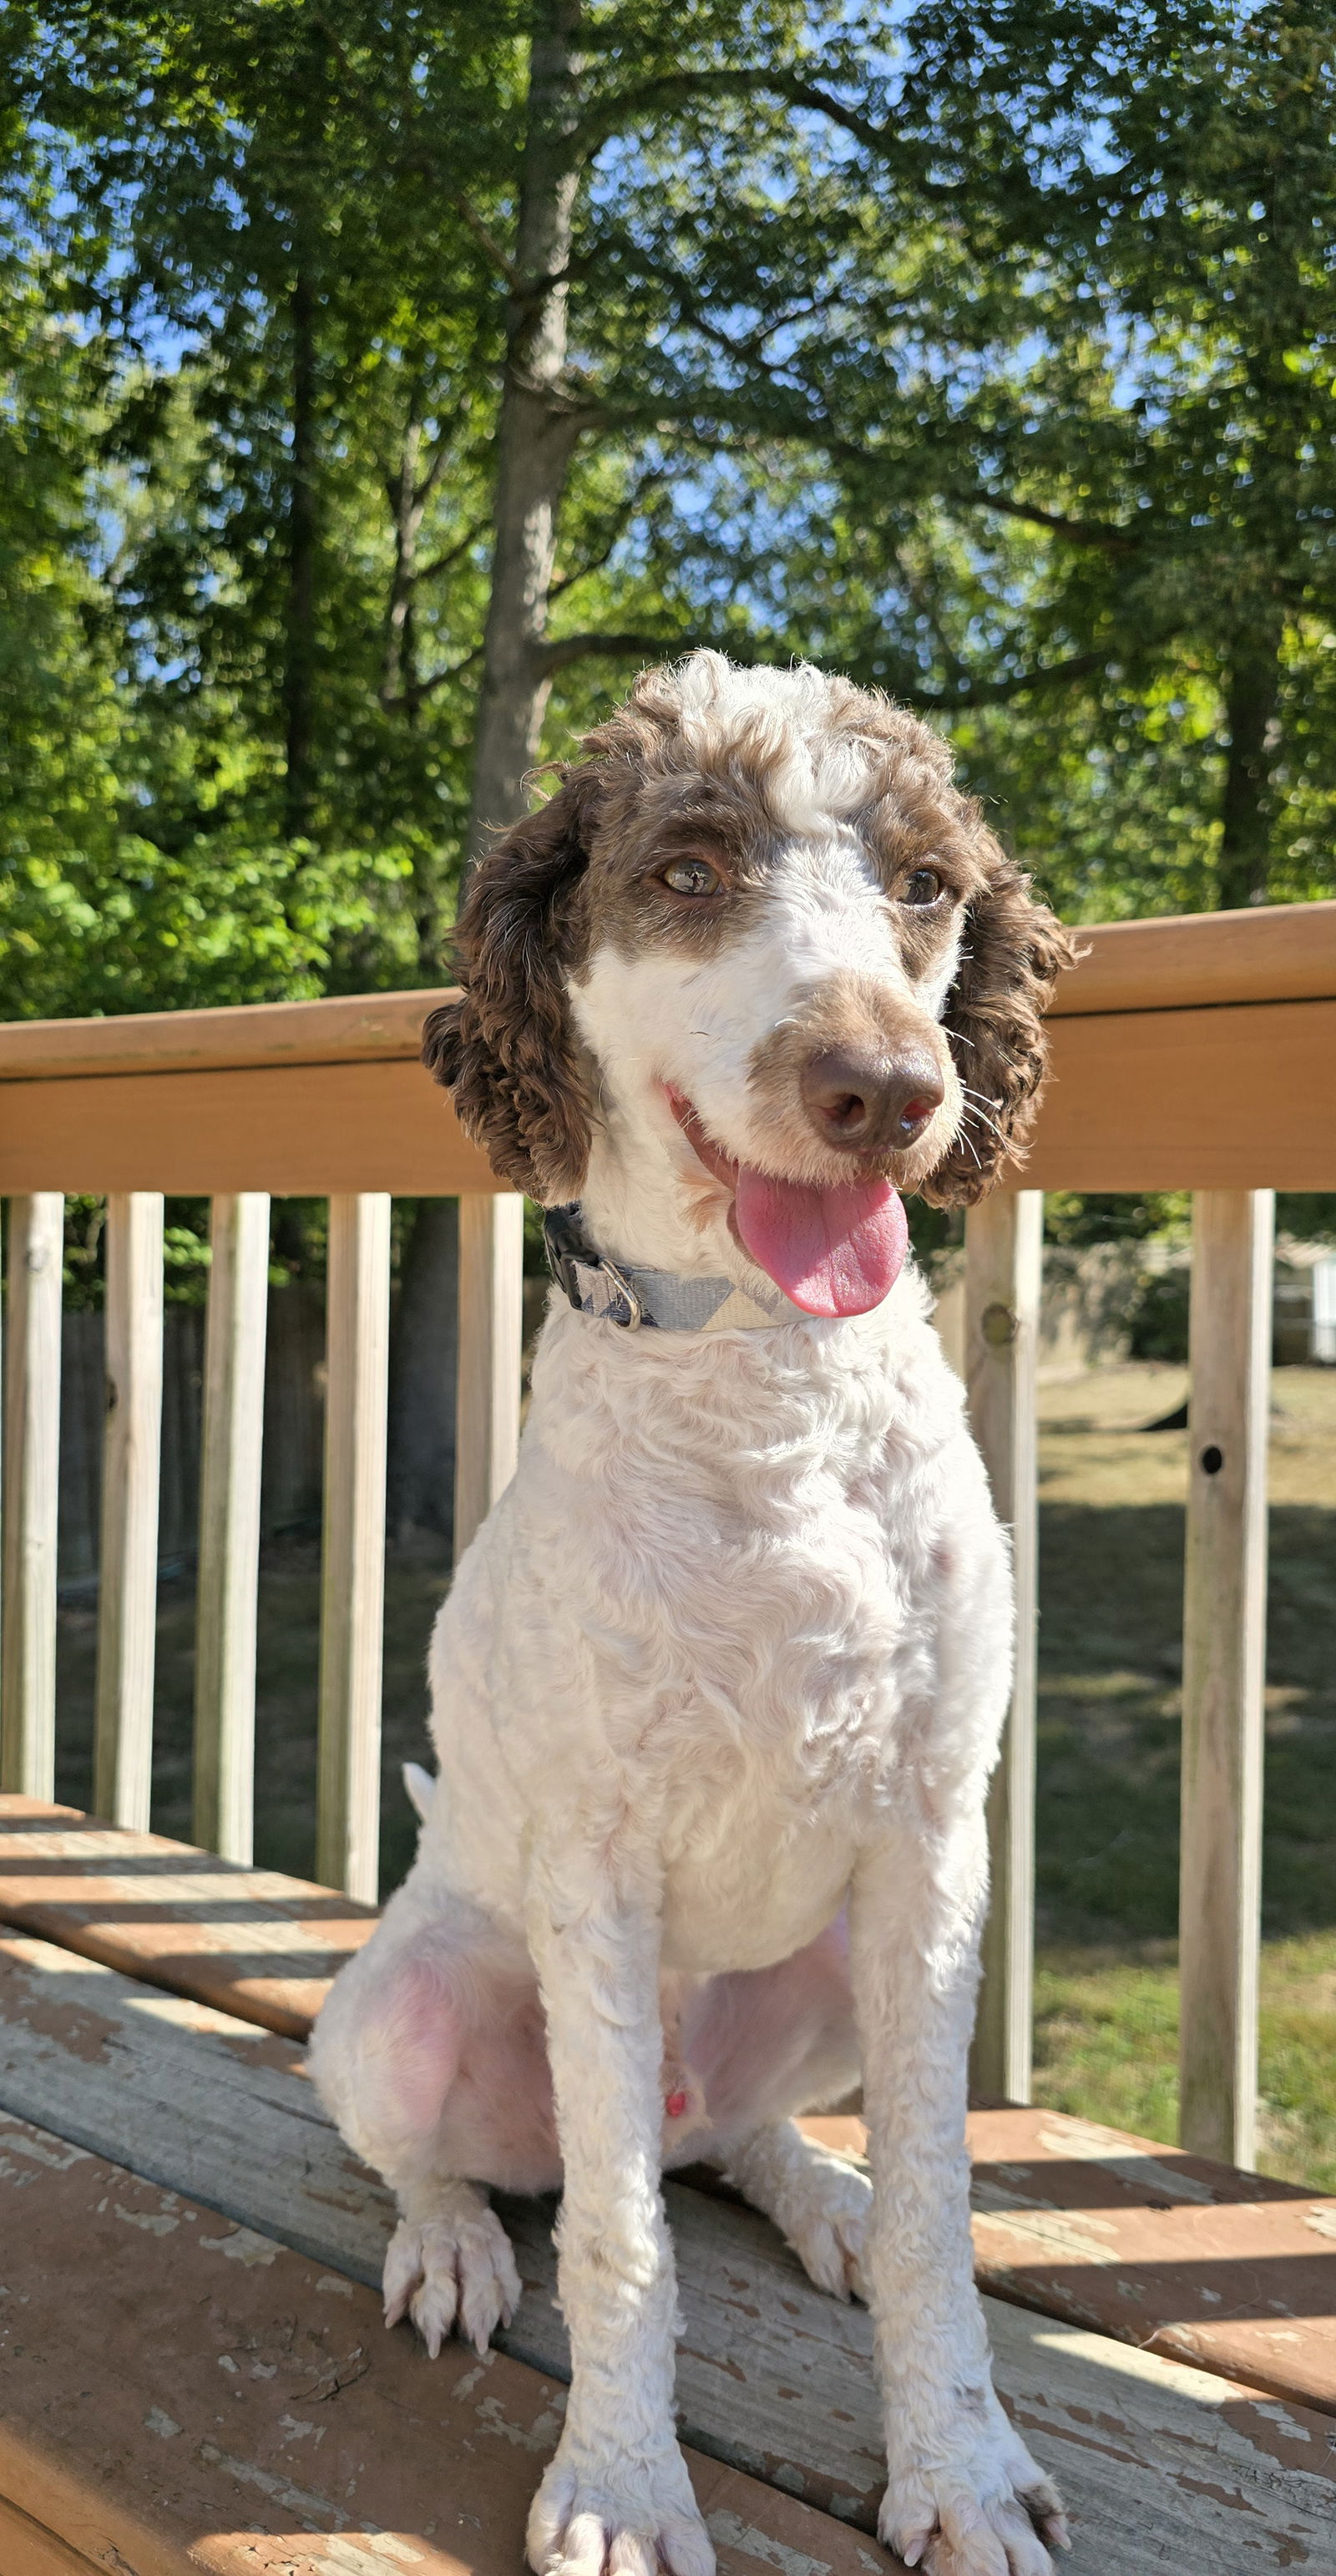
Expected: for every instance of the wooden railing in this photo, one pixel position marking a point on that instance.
(1193, 1054)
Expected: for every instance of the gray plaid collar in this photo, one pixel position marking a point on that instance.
(619, 1292)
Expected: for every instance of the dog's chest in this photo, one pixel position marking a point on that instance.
(747, 1558)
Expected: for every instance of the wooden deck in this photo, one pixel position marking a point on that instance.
(195, 2374)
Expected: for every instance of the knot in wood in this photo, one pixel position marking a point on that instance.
(999, 1325)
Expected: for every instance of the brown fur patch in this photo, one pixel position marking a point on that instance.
(1014, 951)
(860, 1014)
(506, 1049)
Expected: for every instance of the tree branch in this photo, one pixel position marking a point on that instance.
(442, 563)
(996, 693)
(620, 523)
(1110, 538)
(624, 647)
(678, 89)
(979, 693)
(428, 688)
(487, 242)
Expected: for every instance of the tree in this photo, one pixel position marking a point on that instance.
(518, 348)
(1081, 423)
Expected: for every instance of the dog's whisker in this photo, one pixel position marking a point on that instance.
(985, 1121)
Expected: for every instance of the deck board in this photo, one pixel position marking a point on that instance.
(774, 2379)
(194, 2397)
(252, 1941)
(1229, 2271)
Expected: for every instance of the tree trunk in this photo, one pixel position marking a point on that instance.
(299, 674)
(421, 1472)
(1251, 713)
(399, 676)
(535, 440)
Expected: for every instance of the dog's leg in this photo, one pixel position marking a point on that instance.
(385, 2053)
(820, 2203)
(964, 2497)
(617, 2493)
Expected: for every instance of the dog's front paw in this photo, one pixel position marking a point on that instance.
(989, 2514)
(826, 2221)
(454, 2269)
(617, 2516)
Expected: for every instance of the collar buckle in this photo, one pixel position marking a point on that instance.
(568, 1256)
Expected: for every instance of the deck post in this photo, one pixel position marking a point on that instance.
(353, 1558)
(127, 1599)
(491, 1334)
(1003, 1263)
(31, 1495)
(1224, 1655)
(229, 1524)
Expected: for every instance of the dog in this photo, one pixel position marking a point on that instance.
(720, 1682)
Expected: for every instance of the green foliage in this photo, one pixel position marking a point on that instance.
(1093, 1216)
(1158, 1317)
(137, 928)
(1309, 1216)
(985, 354)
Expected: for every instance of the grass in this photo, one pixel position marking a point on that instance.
(1110, 1670)
(287, 1655)
(1111, 1574)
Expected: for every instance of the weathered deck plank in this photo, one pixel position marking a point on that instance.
(251, 1941)
(193, 2397)
(774, 2378)
(1227, 2270)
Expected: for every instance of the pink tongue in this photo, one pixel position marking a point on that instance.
(833, 1252)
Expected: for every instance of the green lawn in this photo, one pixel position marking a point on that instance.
(1110, 1669)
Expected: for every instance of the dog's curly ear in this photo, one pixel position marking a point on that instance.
(506, 1048)
(1013, 952)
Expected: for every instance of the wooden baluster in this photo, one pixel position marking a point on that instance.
(353, 1565)
(32, 1487)
(491, 1335)
(229, 1524)
(127, 1604)
(1224, 1657)
(1003, 1265)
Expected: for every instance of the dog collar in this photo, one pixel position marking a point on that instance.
(619, 1292)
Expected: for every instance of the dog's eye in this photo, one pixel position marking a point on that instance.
(924, 887)
(693, 876)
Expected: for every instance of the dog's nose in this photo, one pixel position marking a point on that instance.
(870, 1104)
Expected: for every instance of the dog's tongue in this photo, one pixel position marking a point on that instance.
(835, 1251)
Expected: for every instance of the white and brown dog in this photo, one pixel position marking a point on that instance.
(719, 1685)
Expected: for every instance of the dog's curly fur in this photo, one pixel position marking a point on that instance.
(505, 1048)
(1014, 951)
(719, 1684)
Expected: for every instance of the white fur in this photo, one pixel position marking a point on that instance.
(729, 1658)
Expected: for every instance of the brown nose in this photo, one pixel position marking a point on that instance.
(870, 1104)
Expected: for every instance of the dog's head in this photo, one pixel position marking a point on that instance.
(756, 968)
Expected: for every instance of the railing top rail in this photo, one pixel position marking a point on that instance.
(1282, 952)
(361, 1028)
(1270, 953)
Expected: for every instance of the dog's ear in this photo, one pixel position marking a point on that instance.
(1012, 954)
(506, 1048)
